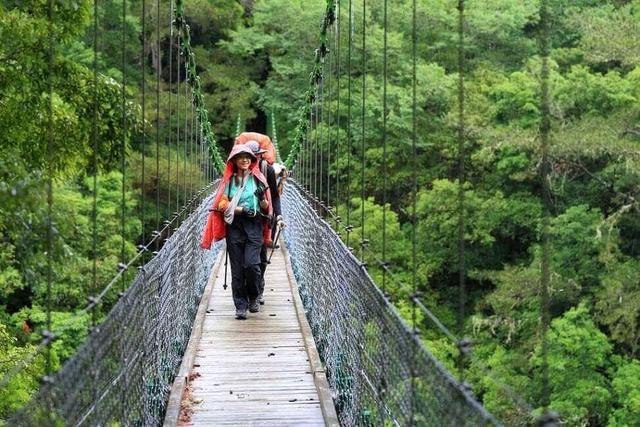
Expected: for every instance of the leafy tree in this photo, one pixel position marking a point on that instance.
(18, 390)
(577, 355)
(626, 388)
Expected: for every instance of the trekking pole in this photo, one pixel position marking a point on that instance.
(275, 243)
(226, 259)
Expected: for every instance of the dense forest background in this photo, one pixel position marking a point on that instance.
(254, 59)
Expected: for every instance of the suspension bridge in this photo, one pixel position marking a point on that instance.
(327, 348)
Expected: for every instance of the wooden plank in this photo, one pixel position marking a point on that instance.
(256, 371)
(180, 383)
(322, 384)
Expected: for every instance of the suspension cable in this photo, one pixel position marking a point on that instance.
(414, 166)
(123, 147)
(329, 129)
(178, 123)
(122, 265)
(307, 160)
(384, 148)
(94, 137)
(318, 135)
(545, 129)
(189, 151)
(193, 169)
(316, 121)
(144, 121)
(348, 203)
(186, 131)
(158, 75)
(274, 136)
(321, 140)
(337, 156)
(309, 144)
(461, 181)
(51, 61)
(363, 240)
(238, 124)
(170, 133)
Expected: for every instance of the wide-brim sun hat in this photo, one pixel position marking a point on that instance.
(241, 148)
(255, 147)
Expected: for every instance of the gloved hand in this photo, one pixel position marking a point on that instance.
(280, 222)
(248, 212)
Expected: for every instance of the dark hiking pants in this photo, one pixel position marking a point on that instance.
(244, 242)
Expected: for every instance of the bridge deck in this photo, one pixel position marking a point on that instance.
(259, 371)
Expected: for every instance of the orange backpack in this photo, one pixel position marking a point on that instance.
(263, 140)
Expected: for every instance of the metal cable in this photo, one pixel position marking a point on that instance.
(348, 151)
(158, 75)
(170, 117)
(178, 126)
(94, 139)
(545, 172)
(461, 181)
(144, 118)
(120, 345)
(316, 141)
(329, 130)
(414, 194)
(186, 132)
(337, 156)
(123, 147)
(385, 113)
(49, 254)
(321, 140)
(363, 240)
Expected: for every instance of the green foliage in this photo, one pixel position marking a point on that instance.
(626, 390)
(24, 119)
(578, 353)
(610, 34)
(18, 390)
(618, 305)
(582, 92)
(437, 226)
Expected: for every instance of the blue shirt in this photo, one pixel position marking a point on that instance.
(248, 198)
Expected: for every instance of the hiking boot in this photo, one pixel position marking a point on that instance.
(261, 299)
(254, 306)
(241, 314)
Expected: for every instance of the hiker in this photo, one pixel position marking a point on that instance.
(268, 171)
(241, 212)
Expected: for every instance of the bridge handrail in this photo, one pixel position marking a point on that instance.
(124, 369)
(379, 370)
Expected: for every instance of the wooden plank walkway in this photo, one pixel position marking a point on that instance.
(263, 371)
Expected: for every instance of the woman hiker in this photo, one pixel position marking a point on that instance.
(241, 212)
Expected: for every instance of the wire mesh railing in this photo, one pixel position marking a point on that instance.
(380, 372)
(123, 372)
